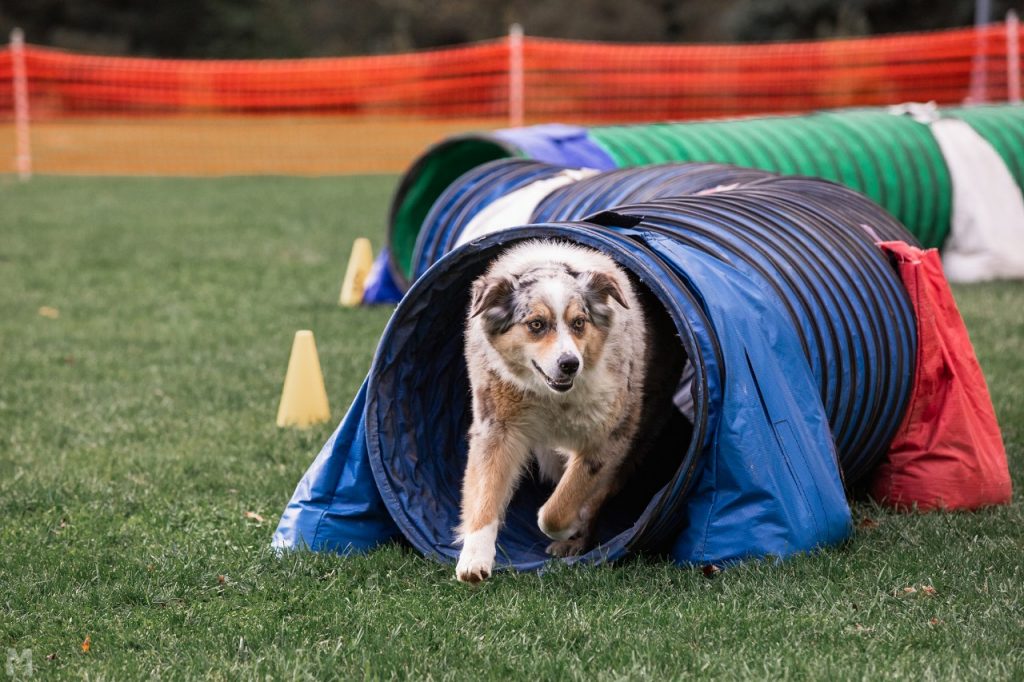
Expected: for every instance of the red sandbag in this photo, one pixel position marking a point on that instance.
(948, 453)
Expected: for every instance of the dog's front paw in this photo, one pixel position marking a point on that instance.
(574, 546)
(476, 561)
(473, 568)
(557, 526)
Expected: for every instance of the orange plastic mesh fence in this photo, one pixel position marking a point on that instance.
(91, 114)
(656, 82)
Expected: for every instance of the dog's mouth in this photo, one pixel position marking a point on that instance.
(557, 386)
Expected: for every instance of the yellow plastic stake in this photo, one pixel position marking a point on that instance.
(304, 398)
(359, 264)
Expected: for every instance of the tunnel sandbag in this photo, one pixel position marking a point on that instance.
(443, 163)
(986, 237)
(1003, 128)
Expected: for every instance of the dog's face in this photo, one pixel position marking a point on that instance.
(548, 324)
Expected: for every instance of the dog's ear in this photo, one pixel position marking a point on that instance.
(493, 298)
(489, 292)
(598, 288)
(602, 286)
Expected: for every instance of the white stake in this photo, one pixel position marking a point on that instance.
(515, 76)
(1012, 57)
(23, 145)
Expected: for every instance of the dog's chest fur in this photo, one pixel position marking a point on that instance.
(573, 422)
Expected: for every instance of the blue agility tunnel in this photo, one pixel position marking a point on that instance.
(802, 343)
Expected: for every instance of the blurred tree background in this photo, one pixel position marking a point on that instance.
(280, 28)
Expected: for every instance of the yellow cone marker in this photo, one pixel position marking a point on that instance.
(359, 264)
(304, 398)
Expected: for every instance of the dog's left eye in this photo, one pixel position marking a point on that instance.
(579, 323)
(536, 325)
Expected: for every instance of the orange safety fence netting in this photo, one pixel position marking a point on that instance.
(614, 83)
(459, 82)
(93, 114)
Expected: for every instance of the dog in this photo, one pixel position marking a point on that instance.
(557, 347)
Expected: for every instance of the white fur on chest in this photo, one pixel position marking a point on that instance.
(575, 421)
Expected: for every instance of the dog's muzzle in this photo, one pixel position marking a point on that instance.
(562, 384)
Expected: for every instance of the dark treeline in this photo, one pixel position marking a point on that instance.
(279, 28)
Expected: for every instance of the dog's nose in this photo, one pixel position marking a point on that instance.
(568, 363)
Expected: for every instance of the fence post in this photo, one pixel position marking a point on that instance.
(979, 68)
(1012, 57)
(515, 76)
(23, 146)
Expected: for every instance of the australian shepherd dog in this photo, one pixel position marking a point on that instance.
(558, 349)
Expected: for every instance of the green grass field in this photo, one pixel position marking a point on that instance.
(137, 430)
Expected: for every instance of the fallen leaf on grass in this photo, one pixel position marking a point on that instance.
(87, 644)
(867, 523)
(49, 312)
(221, 579)
(253, 516)
(710, 571)
(926, 590)
(51, 657)
(935, 621)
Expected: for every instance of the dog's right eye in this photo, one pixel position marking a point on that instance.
(536, 326)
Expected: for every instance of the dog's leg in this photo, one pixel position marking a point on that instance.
(495, 464)
(605, 485)
(569, 514)
(559, 518)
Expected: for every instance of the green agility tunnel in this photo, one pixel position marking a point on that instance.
(893, 159)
